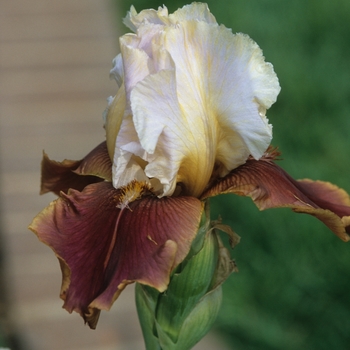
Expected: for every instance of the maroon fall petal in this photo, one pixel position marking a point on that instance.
(61, 176)
(102, 248)
(270, 187)
(97, 163)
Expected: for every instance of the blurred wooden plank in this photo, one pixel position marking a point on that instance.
(86, 108)
(33, 7)
(61, 53)
(48, 26)
(49, 83)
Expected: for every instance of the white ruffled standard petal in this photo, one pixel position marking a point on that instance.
(195, 100)
(117, 72)
(227, 76)
(134, 20)
(195, 11)
(176, 147)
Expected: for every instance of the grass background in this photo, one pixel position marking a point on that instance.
(292, 291)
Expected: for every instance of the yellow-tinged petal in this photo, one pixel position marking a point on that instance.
(114, 117)
(172, 142)
(117, 72)
(136, 62)
(196, 97)
(134, 20)
(223, 76)
(207, 111)
(194, 11)
(127, 166)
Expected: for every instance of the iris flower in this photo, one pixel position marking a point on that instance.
(188, 123)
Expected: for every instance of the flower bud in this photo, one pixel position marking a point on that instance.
(184, 313)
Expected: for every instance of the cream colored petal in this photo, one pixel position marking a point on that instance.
(134, 20)
(128, 139)
(149, 41)
(224, 77)
(121, 135)
(196, 97)
(126, 168)
(122, 141)
(128, 20)
(179, 149)
(144, 37)
(135, 62)
(142, 55)
(113, 119)
(117, 72)
(194, 11)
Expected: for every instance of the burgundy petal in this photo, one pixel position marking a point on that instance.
(61, 176)
(97, 163)
(102, 248)
(270, 186)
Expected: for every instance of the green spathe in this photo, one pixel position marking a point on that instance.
(196, 325)
(178, 318)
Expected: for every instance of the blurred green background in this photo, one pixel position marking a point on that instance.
(292, 291)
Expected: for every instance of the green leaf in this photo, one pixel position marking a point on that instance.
(146, 303)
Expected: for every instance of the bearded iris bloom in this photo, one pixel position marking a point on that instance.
(188, 123)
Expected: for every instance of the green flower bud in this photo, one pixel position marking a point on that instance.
(184, 313)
